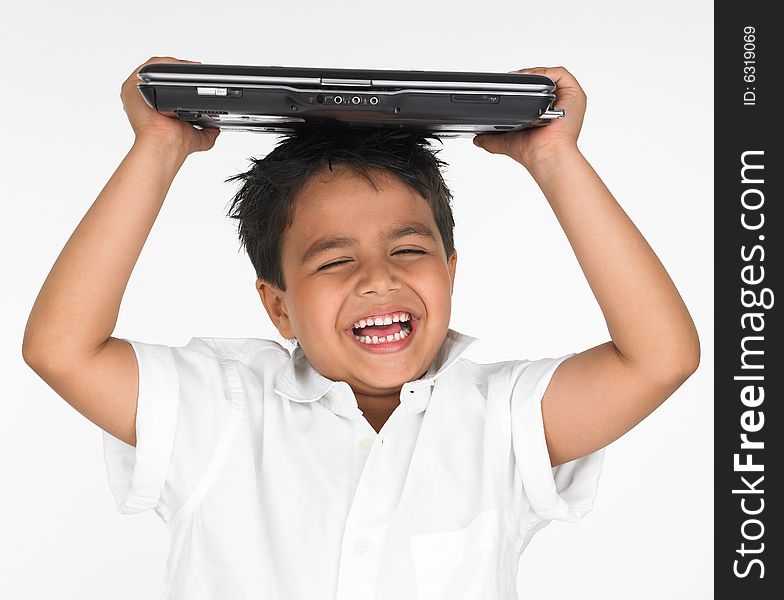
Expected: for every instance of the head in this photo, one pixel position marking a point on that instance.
(344, 223)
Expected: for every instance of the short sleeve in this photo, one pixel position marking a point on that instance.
(565, 492)
(183, 406)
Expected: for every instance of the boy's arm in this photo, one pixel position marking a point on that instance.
(598, 395)
(67, 340)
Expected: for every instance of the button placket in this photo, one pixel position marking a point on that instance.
(416, 397)
(361, 544)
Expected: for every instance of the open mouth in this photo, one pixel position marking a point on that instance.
(384, 338)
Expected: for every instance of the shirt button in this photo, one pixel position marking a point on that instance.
(365, 444)
(361, 544)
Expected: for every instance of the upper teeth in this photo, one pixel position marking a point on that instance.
(385, 320)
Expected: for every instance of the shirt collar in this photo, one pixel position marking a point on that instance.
(300, 382)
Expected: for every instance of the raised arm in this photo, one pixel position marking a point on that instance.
(67, 340)
(598, 395)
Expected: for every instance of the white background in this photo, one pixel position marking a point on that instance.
(648, 72)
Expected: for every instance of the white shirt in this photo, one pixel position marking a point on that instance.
(273, 484)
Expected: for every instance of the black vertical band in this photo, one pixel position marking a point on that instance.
(749, 426)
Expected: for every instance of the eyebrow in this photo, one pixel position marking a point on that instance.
(338, 241)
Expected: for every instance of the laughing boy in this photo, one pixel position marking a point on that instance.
(373, 461)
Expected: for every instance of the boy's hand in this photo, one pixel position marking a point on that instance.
(531, 145)
(149, 123)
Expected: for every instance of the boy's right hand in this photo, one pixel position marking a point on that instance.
(148, 123)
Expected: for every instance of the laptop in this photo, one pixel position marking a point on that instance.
(276, 99)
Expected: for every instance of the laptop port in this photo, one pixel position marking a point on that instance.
(373, 100)
(320, 99)
(338, 99)
(355, 100)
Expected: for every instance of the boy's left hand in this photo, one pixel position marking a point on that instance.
(531, 145)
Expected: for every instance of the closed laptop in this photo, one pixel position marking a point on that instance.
(276, 99)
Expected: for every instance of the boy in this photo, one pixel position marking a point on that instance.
(374, 461)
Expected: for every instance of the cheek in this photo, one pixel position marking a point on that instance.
(319, 305)
(439, 281)
(435, 289)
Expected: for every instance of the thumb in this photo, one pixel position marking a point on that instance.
(535, 70)
(492, 143)
(206, 138)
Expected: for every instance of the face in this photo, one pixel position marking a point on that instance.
(373, 272)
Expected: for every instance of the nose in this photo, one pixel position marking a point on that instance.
(378, 276)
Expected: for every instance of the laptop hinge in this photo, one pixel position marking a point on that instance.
(356, 82)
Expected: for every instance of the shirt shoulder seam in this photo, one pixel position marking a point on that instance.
(218, 458)
(222, 353)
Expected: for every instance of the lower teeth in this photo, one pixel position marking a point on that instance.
(374, 340)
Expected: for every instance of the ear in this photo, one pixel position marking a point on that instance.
(274, 301)
(452, 265)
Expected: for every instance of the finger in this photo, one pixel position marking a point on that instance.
(207, 138)
(491, 143)
(209, 133)
(539, 70)
(557, 74)
(160, 59)
(569, 93)
(133, 79)
(563, 79)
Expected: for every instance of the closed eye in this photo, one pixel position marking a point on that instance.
(340, 262)
(334, 264)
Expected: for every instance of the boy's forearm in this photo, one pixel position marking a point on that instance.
(77, 308)
(646, 317)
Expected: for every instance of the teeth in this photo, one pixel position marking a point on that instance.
(398, 317)
(373, 340)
